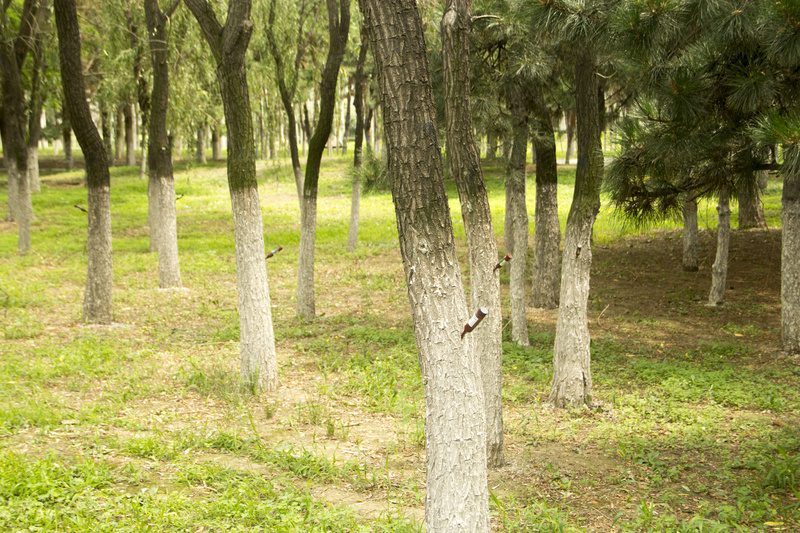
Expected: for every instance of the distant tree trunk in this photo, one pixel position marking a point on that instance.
(691, 245)
(130, 148)
(508, 214)
(66, 136)
(457, 494)
(160, 157)
(346, 118)
(200, 152)
(228, 45)
(719, 272)
(216, 144)
(358, 101)
(790, 266)
(35, 109)
(491, 144)
(106, 127)
(120, 134)
(751, 212)
(546, 264)
(368, 128)
(465, 168)
(570, 122)
(516, 182)
(572, 377)
(99, 276)
(338, 28)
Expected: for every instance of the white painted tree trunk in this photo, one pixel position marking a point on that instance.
(691, 246)
(169, 271)
(153, 214)
(790, 265)
(33, 169)
(259, 365)
(355, 215)
(719, 272)
(24, 213)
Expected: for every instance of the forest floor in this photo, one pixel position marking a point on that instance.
(143, 426)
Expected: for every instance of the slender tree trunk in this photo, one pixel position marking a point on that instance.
(346, 126)
(66, 135)
(572, 377)
(106, 127)
(516, 182)
(719, 272)
(120, 134)
(229, 44)
(35, 108)
(338, 27)
(570, 121)
(130, 148)
(216, 144)
(790, 266)
(508, 213)
(465, 168)
(200, 152)
(457, 492)
(491, 144)
(546, 263)
(691, 244)
(358, 101)
(99, 276)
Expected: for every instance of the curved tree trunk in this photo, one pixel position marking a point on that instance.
(546, 261)
(457, 493)
(228, 44)
(691, 245)
(719, 272)
(572, 377)
(99, 276)
(465, 168)
(516, 182)
(790, 266)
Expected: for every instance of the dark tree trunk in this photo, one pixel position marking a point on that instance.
(130, 148)
(691, 244)
(228, 45)
(66, 138)
(751, 212)
(572, 378)
(570, 122)
(36, 101)
(338, 28)
(106, 127)
(790, 266)
(465, 168)
(120, 134)
(360, 81)
(97, 301)
(163, 226)
(457, 493)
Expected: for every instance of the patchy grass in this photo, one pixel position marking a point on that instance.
(144, 425)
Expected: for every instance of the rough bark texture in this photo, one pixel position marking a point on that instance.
(691, 244)
(66, 136)
(159, 153)
(751, 212)
(228, 45)
(457, 492)
(516, 182)
(546, 262)
(97, 300)
(719, 272)
(790, 266)
(338, 28)
(572, 377)
(358, 103)
(465, 168)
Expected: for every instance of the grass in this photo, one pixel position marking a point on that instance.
(145, 425)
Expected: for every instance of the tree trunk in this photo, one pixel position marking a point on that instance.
(790, 266)
(120, 134)
(228, 45)
(691, 245)
(216, 144)
(338, 28)
(66, 135)
(158, 152)
(358, 101)
(35, 111)
(546, 264)
(570, 122)
(346, 126)
(751, 212)
(491, 144)
(457, 493)
(464, 164)
(516, 182)
(130, 149)
(99, 276)
(572, 377)
(200, 152)
(719, 272)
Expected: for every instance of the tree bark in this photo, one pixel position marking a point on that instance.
(719, 272)
(572, 377)
(99, 276)
(130, 149)
(66, 136)
(228, 45)
(35, 103)
(790, 266)
(358, 102)
(457, 492)
(159, 154)
(691, 245)
(200, 152)
(570, 122)
(465, 168)
(120, 134)
(216, 144)
(751, 212)
(546, 265)
(338, 28)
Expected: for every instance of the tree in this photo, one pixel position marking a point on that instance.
(159, 151)
(228, 45)
(457, 492)
(360, 81)
(464, 163)
(99, 278)
(338, 28)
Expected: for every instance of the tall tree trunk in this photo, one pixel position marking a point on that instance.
(572, 377)
(200, 151)
(160, 157)
(99, 276)
(457, 492)
(66, 136)
(465, 168)
(691, 244)
(358, 101)
(338, 27)
(216, 144)
(546, 264)
(570, 117)
(106, 127)
(346, 126)
(130, 148)
(35, 107)
(228, 45)
(751, 212)
(719, 272)
(491, 144)
(790, 266)
(120, 134)
(516, 182)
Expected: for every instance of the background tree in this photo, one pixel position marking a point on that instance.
(228, 45)
(457, 492)
(359, 81)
